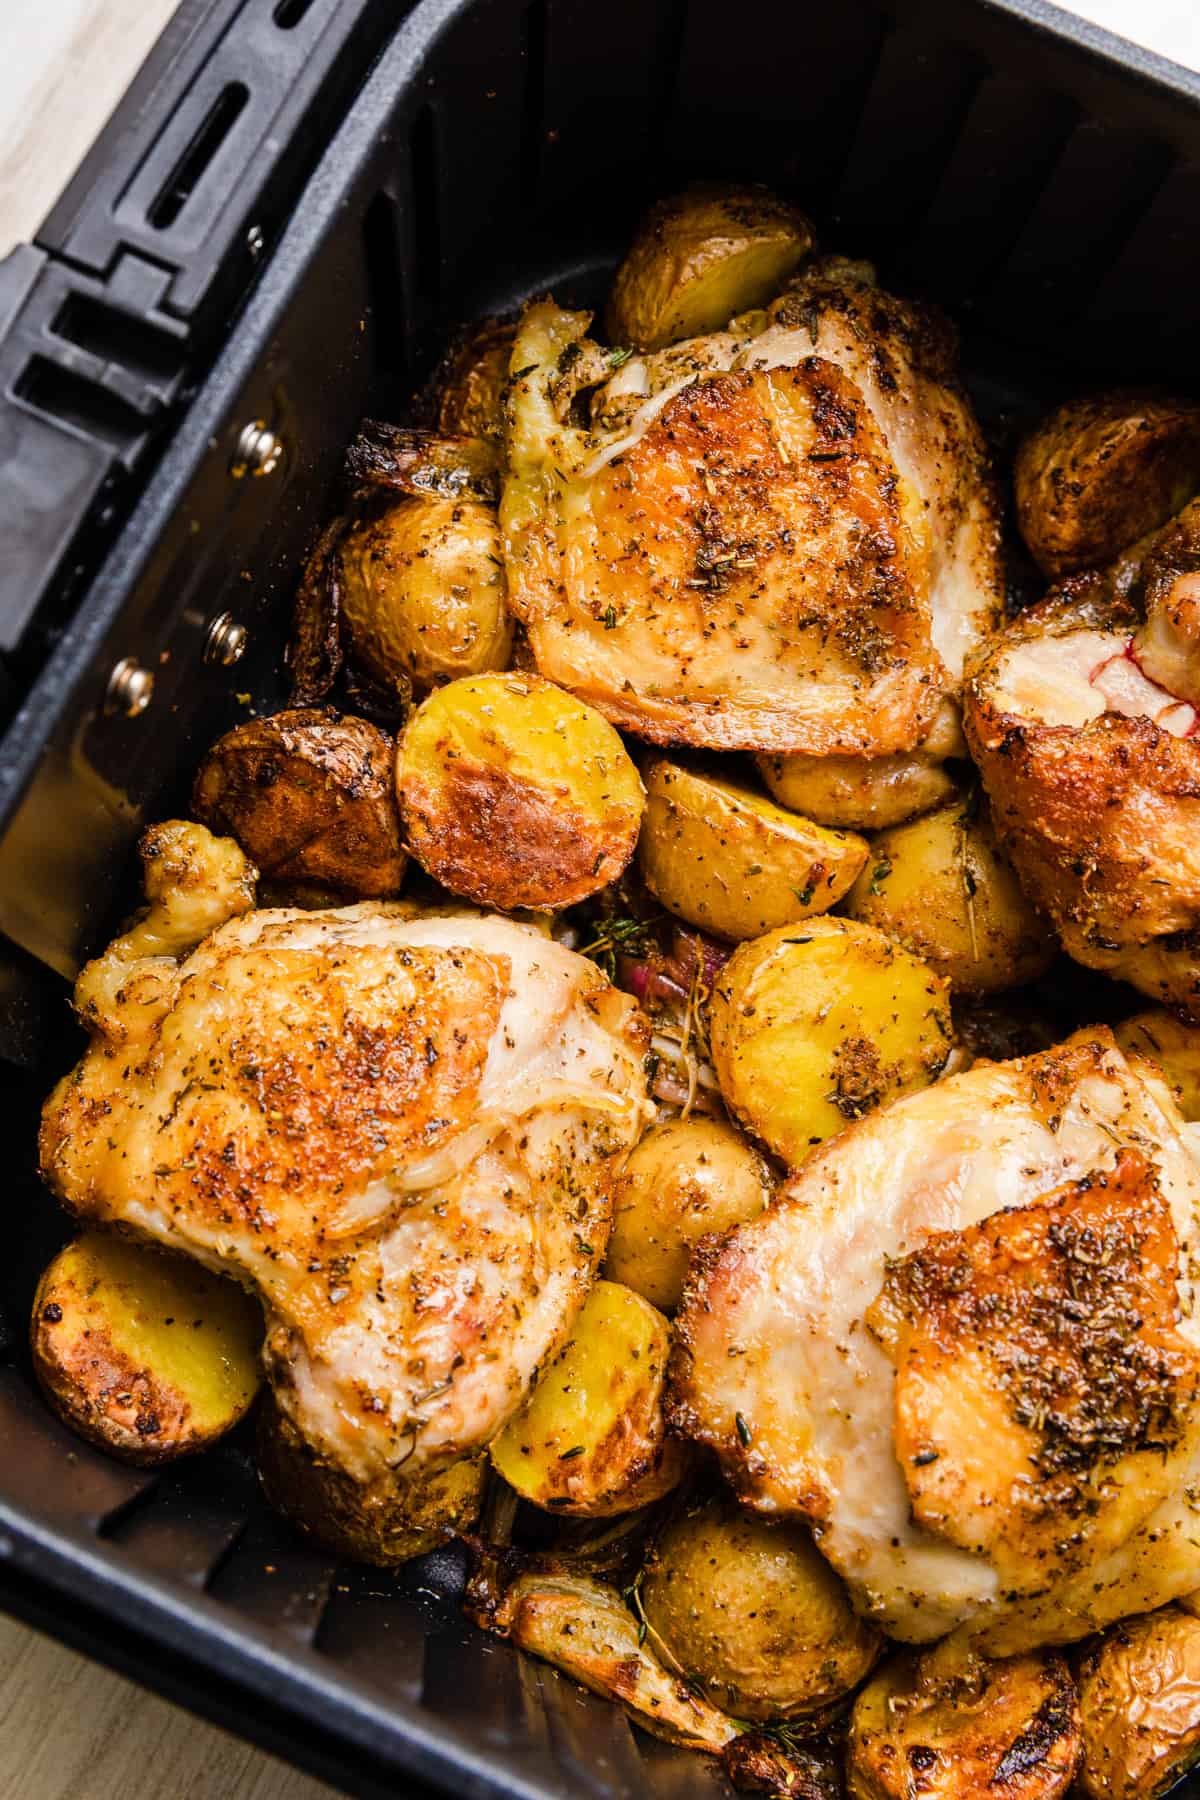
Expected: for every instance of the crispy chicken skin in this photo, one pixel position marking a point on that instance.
(397, 1128)
(780, 537)
(961, 1344)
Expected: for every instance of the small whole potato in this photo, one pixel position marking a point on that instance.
(816, 1024)
(516, 794)
(869, 793)
(307, 793)
(952, 1725)
(1098, 474)
(942, 886)
(1139, 1696)
(1173, 1044)
(752, 1610)
(421, 584)
(700, 258)
(144, 1353)
(591, 1439)
(684, 1179)
(469, 387)
(730, 861)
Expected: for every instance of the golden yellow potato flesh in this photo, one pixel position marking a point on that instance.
(753, 1611)
(516, 794)
(684, 1179)
(591, 1439)
(942, 886)
(730, 861)
(816, 1024)
(1139, 1695)
(142, 1352)
(1173, 1044)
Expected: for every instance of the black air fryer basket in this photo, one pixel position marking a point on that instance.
(184, 356)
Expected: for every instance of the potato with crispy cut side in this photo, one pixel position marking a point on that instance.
(870, 793)
(732, 862)
(952, 1725)
(1139, 1696)
(816, 1024)
(142, 1352)
(591, 1438)
(468, 389)
(516, 794)
(942, 886)
(384, 1522)
(683, 1180)
(702, 257)
(751, 1610)
(307, 793)
(1098, 474)
(421, 585)
(1171, 1043)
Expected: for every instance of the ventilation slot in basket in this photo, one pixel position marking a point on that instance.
(185, 177)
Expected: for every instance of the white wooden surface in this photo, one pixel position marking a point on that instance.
(69, 1730)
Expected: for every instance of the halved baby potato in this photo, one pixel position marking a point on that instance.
(730, 861)
(1171, 1043)
(516, 794)
(591, 1438)
(816, 1024)
(1139, 1695)
(701, 257)
(684, 1179)
(142, 1352)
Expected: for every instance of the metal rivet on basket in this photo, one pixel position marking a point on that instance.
(226, 641)
(258, 451)
(130, 688)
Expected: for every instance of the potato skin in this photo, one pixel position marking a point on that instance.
(1139, 1696)
(307, 793)
(421, 584)
(468, 389)
(143, 1353)
(962, 1726)
(701, 257)
(869, 793)
(753, 1611)
(684, 1179)
(730, 861)
(1099, 473)
(590, 1440)
(516, 794)
(814, 1025)
(942, 886)
(1171, 1043)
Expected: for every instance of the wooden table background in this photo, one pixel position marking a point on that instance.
(70, 1730)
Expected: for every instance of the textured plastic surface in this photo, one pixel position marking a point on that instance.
(993, 155)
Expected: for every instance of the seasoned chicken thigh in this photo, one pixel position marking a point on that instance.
(396, 1128)
(962, 1344)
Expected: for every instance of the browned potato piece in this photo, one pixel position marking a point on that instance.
(870, 793)
(515, 794)
(961, 1727)
(685, 1178)
(942, 886)
(732, 862)
(422, 592)
(308, 795)
(384, 1522)
(1171, 1043)
(700, 258)
(1098, 474)
(591, 1438)
(1139, 1695)
(469, 386)
(752, 1611)
(144, 1353)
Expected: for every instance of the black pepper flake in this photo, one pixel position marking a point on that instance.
(745, 1435)
(52, 1313)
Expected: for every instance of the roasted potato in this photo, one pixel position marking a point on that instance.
(942, 886)
(700, 258)
(383, 1522)
(308, 795)
(591, 1438)
(468, 390)
(870, 793)
(1139, 1696)
(514, 793)
(730, 861)
(753, 1612)
(142, 1352)
(952, 1726)
(685, 1178)
(814, 1025)
(421, 584)
(1098, 474)
(1171, 1043)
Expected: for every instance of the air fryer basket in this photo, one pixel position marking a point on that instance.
(1040, 179)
